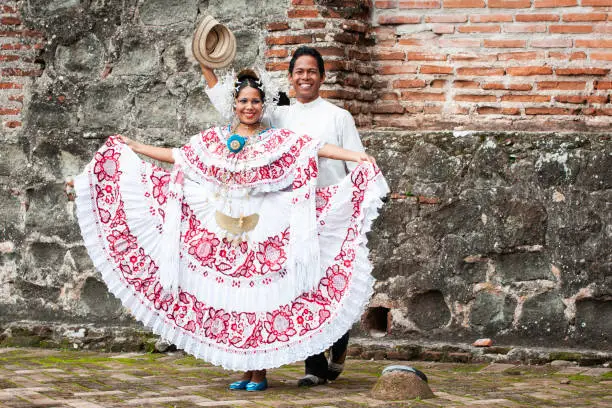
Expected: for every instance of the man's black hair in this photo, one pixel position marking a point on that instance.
(303, 50)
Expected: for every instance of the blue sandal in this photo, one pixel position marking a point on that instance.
(260, 386)
(239, 385)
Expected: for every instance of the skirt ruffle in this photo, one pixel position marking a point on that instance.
(236, 305)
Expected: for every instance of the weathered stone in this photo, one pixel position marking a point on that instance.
(106, 108)
(50, 213)
(492, 312)
(157, 108)
(594, 321)
(84, 58)
(543, 316)
(168, 12)
(429, 310)
(523, 267)
(200, 114)
(101, 303)
(139, 56)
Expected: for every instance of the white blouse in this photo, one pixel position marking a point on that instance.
(319, 119)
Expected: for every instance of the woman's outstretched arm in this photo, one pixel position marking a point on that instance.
(331, 151)
(209, 76)
(156, 153)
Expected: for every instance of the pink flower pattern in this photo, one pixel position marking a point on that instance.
(235, 330)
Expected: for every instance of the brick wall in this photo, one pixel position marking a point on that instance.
(19, 47)
(339, 29)
(440, 64)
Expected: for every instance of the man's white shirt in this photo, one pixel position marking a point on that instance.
(319, 119)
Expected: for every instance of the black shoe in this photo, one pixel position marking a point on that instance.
(334, 369)
(310, 380)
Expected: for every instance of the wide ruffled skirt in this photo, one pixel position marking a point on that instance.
(236, 305)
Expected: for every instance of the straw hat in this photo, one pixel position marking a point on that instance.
(214, 45)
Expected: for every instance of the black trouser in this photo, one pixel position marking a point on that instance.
(317, 364)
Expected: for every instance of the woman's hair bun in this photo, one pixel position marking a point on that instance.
(247, 73)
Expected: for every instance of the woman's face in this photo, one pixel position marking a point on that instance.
(249, 106)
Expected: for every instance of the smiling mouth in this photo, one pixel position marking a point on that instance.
(305, 86)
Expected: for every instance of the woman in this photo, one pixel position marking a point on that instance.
(234, 256)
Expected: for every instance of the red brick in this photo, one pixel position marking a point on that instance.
(527, 71)
(396, 69)
(490, 110)
(383, 4)
(578, 56)
(529, 18)
(358, 55)
(550, 111)
(383, 55)
(491, 18)
(10, 85)
(602, 28)
(552, 43)
(12, 124)
(423, 96)
(331, 51)
(9, 111)
(337, 65)
(435, 69)
(437, 83)
(525, 98)
(601, 56)
(512, 4)
(480, 71)
(597, 3)
(395, 19)
(9, 9)
(446, 18)
(581, 99)
(602, 43)
(289, 39)
(421, 56)
(354, 25)
(409, 83)
(565, 85)
(277, 66)
(466, 84)
(603, 84)
(302, 13)
(464, 3)
(412, 42)
(555, 3)
(582, 71)
(573, 17)
(337, 94)
(309, 24)
(387, 108)
(10, 21)
(459, 43)
(475, 98)
(520, 56)
(579, 29)
(443, 28)
(593, 111)
(282, 53)
(479, 29)
(15, 98)
(302, 2)
(347, 38)
(509, 87)
(505, 43)
(388, 96)
(419, 4)
(473, 57)
(428, 109)
(21, 72)
(9, 58)
(524, 28)
(277, 26)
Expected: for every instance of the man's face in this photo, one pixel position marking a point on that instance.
(306, 79)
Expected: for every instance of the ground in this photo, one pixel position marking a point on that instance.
(78, 379)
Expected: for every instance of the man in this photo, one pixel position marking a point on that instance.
(314, 116)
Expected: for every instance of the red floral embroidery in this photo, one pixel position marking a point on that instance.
(107, 165)
(121, 241)
(204, 249)
(216, 325)
(336, 282)
(279, 325)
(160, 187)
(271, 255)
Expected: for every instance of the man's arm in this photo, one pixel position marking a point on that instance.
(349, 137)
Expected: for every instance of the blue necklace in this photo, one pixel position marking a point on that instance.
(235, 143)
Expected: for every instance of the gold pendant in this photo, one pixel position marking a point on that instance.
(237, 226)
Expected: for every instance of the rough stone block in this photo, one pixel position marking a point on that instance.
(50, 213)
(492, 312)
(105, 107)
(168, 12)
(594, 320)
(523, 267)
(83, 59)
(157, 109)
(429, 310)
(543, 317)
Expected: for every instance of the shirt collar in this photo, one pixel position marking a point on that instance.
(310, 104)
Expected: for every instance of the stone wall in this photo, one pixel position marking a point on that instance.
(498, 234)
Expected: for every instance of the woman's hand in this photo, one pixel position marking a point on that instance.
(209, 75)
(132, 144)
(362, 157)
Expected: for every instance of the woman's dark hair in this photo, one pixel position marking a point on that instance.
(303, 50)
(248, 78)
